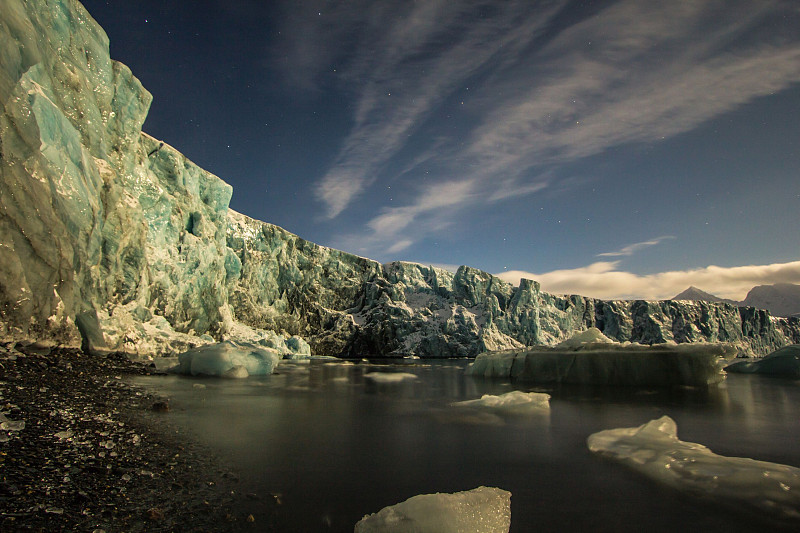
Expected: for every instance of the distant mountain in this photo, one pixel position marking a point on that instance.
(781, 299)
(693, 293)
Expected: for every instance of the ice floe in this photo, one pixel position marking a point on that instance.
(654, 450)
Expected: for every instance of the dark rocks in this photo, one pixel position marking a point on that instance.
(83, 451)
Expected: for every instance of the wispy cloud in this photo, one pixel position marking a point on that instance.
(547, 88)
(605, 280)
(633, 248)
(422, 53)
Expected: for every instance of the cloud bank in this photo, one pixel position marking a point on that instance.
(604, 280)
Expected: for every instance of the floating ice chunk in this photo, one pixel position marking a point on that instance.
(782, 363)
(514, 401)
(655, 450)
(609, 364)
(227, 359)
(480, 510)
(389, 377)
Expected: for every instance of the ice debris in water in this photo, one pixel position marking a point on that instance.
(655, 450)
(784, 363)
(227, 359)
(389, 377)
(480, 510)
(592, 358)
(514, 401)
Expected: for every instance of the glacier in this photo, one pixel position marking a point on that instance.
(480, 510)
(114, 240)
(654, 450)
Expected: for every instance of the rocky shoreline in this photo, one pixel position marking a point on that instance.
(81, 449)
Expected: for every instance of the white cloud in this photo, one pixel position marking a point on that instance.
(633, 248)
(604, 280)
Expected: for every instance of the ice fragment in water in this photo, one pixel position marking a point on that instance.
(514, 401)
(480, 510)
(655, 450)
(389, 377)
(227, 359)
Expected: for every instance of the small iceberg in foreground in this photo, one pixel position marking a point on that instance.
(784, 363)
(227, 359)
(655, 450)
(480, 510)
(591, 358)
(510, 402)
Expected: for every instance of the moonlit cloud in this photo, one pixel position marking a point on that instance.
(633, 71)
(633, 248)
(604, 280)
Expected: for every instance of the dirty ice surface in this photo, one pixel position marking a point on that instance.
(227, 359)
(655, 450)
(480, 510)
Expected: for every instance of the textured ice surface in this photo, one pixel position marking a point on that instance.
(591, 360)
(780, 363)
(481, 510)
(389, 377)
(655, 450)
(227, 359)
(512, 402)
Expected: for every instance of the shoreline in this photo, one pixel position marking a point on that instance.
(82, 449)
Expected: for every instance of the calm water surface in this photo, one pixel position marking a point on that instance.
(338, 446)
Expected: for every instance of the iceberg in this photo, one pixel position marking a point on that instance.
(510, 402)
(655, 450)
(780, 363)
(480, 510)
(590, 358)
(227, 359)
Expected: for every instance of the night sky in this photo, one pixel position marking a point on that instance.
(611, 148)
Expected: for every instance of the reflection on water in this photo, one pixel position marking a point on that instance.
(337, 445)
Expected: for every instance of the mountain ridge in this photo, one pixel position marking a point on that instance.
(780, 299)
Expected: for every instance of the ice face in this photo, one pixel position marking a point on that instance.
(655, 450)
(599, 363)
(227, 359)
(782, 363)
(480, 510)
(512, 402)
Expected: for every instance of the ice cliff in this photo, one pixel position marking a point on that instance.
(106, 228)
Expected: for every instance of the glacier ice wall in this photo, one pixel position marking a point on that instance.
(99, 219)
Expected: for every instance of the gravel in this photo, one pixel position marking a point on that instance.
(81, 449)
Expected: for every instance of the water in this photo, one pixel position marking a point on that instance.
(337, 446)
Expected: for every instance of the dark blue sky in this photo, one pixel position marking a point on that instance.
(609, 148)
